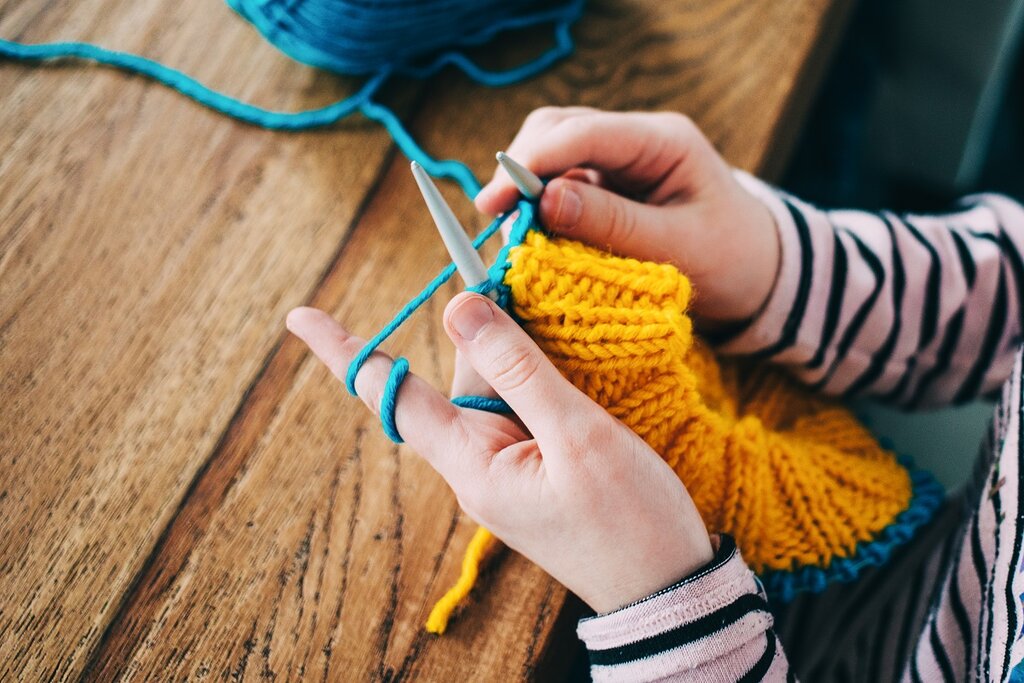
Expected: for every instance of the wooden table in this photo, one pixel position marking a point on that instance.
(184, 491)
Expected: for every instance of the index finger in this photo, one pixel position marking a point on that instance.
(500, 194)
(428, 421)
(637, 150)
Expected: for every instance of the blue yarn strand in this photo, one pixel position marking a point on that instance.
(193, 89)
(414, 38)
(446, 168)
(388, 400)
(491, 405)
(410, 308)
(321, 33)
(496, 276)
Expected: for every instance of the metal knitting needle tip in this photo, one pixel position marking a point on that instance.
(528, 183)
(467, 261)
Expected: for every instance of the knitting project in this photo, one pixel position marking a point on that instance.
(809, 495)
(806, 491)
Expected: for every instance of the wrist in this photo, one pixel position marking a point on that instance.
(647, 576)
(800, 234)
(742, 258)
(758, 252)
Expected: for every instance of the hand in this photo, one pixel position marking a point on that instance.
(649, 186)
(565, 484)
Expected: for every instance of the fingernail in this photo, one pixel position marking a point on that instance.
(470, 317)
(570, 206)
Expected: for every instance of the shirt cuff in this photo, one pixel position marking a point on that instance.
(712, 624)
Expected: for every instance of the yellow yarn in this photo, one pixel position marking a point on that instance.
(477, 549)
(792, 476)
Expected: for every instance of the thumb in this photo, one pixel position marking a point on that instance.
(509, 361)
(603, 219)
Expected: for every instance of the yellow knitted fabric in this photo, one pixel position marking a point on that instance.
(793, 477)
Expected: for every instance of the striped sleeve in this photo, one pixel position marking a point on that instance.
(712, 626)
(915, 310)
(945, 607)
(974, 625)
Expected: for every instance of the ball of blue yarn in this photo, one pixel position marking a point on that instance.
(368, 36)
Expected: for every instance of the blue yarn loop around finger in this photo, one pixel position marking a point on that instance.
(524, 221)
(389, 398)
(490, 405)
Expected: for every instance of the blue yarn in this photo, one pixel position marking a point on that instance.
(410, 37)
(399, 370)
(491, 405)
(446, 168)
(413, 38)
(495, 282)
(192, 88)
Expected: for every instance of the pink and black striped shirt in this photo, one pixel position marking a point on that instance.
(916, 311)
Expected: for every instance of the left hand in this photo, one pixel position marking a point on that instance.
(651, 186)
(565, 484)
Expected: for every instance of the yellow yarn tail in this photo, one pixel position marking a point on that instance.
(482, 541)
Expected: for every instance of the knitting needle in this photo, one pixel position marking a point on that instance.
(467, 261)
(528, 183)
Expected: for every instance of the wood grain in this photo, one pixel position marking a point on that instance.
(146, 264)
(188, 495)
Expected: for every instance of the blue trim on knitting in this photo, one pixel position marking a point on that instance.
(562, 18)
(926, 497)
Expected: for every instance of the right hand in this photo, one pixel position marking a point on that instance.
(649, 186)
(562, 481)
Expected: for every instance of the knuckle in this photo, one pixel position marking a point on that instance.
(621, 224)
(371, 391)
(682, 123)
(451, 423)
(514, 367)
(544, 115)
(349, 348)
(477, 502)
(578, 127)
(595, 436)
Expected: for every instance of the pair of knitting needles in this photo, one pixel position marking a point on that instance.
(465, 257)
